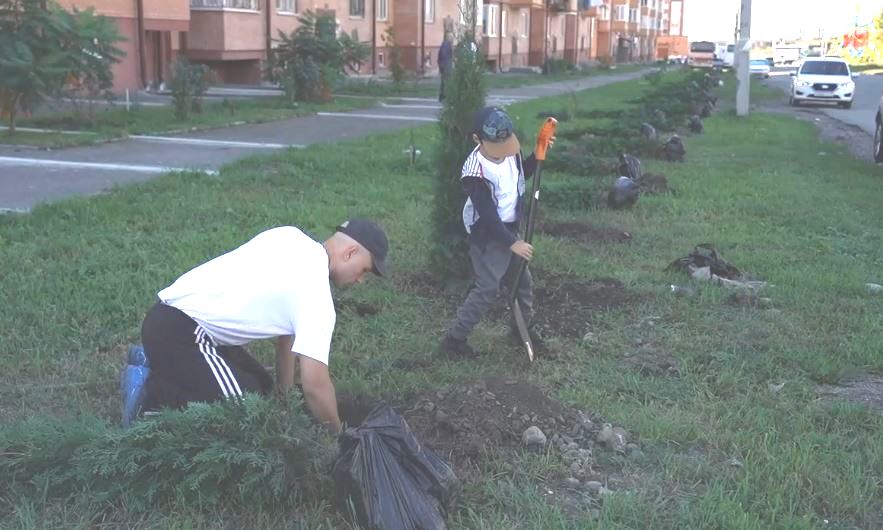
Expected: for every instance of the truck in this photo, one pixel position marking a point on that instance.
(701, 54)
(787, 54)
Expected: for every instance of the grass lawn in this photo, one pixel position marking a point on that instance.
(429, 87)
(116, 122)
(52, 140)
(720, 449)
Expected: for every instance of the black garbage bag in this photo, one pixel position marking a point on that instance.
(695, 124)
(623, 194)
(673, 150)
(630, 166)
(705, 255)
(392, 481)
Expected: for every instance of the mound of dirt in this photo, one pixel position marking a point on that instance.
(653, 183)
(585, 232)
(474, 423)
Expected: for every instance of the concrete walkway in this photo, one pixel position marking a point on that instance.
(29, 177)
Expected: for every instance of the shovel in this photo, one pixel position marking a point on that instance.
(547, 131)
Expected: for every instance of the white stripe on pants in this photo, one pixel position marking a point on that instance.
(223, 375)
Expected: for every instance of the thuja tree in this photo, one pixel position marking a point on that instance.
(254, 453)
(464, 95)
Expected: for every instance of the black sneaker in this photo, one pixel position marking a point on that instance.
(453, 347)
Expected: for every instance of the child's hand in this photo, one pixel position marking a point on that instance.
(520, 248)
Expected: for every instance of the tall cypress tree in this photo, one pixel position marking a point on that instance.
(464, 95)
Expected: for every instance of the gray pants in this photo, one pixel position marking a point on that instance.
(492, 267)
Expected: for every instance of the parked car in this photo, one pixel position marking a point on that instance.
(823, 79)
(759, 67)
(878, 133)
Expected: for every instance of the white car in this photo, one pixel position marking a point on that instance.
(823, 79)
(759, 67)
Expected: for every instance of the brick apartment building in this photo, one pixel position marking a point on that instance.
(672, 42)
(233, 37)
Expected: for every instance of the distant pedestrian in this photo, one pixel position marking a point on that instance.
(445, 62)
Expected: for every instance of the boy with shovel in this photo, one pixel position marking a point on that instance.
(493, 177)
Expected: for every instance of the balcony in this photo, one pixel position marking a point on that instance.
(562, 5)
(525, 3)
(247, 5)
(226, 30)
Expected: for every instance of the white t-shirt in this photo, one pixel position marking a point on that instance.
(276, 284)
(505, 179)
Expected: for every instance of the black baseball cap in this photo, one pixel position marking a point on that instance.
(494, 127)
(371, 236)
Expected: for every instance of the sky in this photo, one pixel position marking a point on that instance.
(771, 19)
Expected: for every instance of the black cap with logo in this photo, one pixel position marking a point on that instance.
(371, 236)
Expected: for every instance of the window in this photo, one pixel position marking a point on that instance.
(429, 11)
(382, 9)
(286, 6)
(381, 59)
(490, 20)
(251, 5)
(824, 68)
(357, 8)
(621, 13)
(633, 14)
(644, 3)
(503, 30)
(603, 12)
(525, 26)
(563, 24)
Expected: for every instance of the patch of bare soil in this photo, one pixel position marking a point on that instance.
(565, 303)
(865, 390)
(654, 184)
(586, 232)
(475, 423)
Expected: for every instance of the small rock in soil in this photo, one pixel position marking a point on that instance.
(594, 486)
(571, 482)
(874, 288)
(533, 436)
(613, 437)
(604, 491)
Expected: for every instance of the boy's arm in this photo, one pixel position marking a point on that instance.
(483, 202)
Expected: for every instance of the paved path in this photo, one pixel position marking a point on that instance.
(29, 177)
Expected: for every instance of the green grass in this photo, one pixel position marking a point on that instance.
(429, 87)
(116, 122)
(52, 140)
(79, 275)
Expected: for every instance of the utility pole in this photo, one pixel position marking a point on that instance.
(743, 91)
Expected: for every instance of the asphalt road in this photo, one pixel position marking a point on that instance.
(868, 89)
(29, 177)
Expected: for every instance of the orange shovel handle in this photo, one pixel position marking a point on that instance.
(547, 131)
